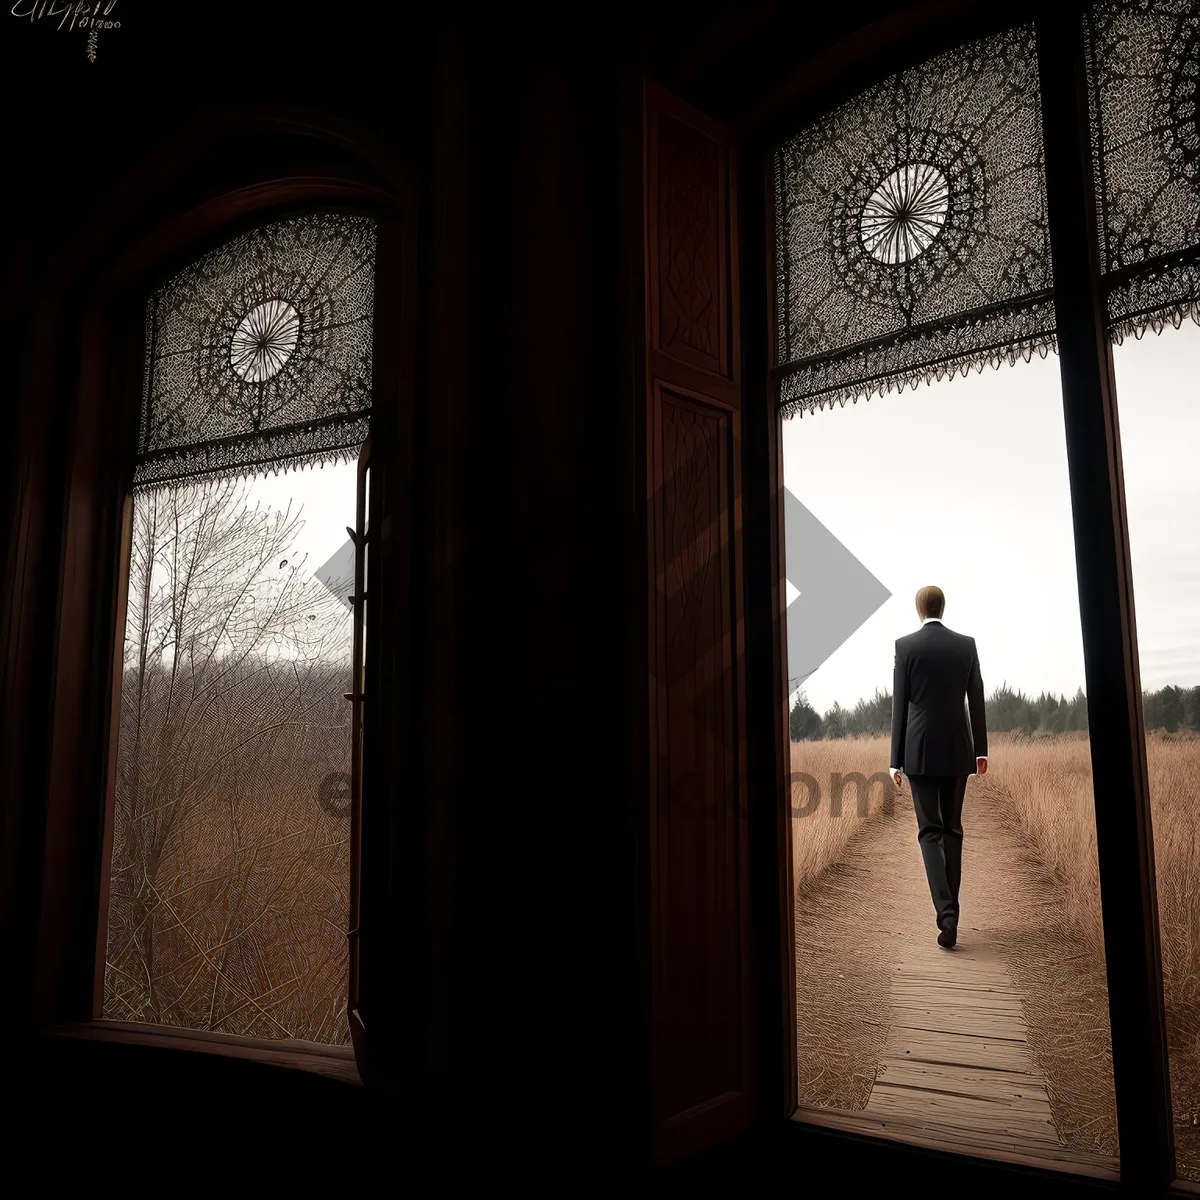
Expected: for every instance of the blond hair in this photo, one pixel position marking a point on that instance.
(931, 602)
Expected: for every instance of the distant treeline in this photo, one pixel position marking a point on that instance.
(1008, 711)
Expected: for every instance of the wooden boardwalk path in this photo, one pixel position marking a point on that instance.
(955, 1068)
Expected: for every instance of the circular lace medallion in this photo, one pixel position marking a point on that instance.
(900, 228)
(265, 338)
(905, 213)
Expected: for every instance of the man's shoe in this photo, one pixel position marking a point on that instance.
(949, 933)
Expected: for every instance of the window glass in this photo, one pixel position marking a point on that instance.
(1160, 440)
(999, 1045)
(229, 884)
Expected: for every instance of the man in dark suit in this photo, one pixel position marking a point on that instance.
(939, 739)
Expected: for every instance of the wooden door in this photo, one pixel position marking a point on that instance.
(699, 896)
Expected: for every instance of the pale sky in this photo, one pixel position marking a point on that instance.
(1158, 385)
(328, 495)
(964, 484)
(325, 501)
(327, 498)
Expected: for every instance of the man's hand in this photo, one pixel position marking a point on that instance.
(981, 766)
(898, 780)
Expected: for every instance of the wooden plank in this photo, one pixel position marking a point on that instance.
(958, 973)
(952, 967)
(938, 1019)
(971, 1082)
(981, 1082)
(995, 977)
(966, 978)
(1028, 1122)
(955, 1140)
(1001, 1020)
(958, 1049)
(929, 996)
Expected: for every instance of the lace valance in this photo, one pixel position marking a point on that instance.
(1144, 76)
(259, 355)
(911, 237)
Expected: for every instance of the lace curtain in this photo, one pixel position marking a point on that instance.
(229, 885)
(1144, 74)
(260, 353)
(911, 232)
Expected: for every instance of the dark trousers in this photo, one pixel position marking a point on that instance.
(938, 800)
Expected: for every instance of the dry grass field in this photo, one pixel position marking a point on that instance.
(1046, 785)
(819, 837)
(1041, 787)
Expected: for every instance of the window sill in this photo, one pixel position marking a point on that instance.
(333, 1062)
(1001, 1150)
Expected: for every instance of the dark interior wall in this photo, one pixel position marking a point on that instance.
(519, 947)
(88, 168)
(80, 156)
(73, 129)
(516, 948)
(547, 911)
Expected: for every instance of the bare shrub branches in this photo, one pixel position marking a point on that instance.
(229, 885)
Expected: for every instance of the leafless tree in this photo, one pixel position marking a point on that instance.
(228, 893)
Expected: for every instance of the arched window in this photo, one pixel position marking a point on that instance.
(1029, 190)
(235, 425)
(229, 890)
(229, 897)
(260, 353)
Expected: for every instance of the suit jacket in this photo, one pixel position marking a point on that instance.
(938, 722)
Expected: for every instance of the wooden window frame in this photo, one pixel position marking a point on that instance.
(104, 401)
(1121, 790)
(63, 870)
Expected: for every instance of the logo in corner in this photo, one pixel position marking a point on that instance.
(85, 17)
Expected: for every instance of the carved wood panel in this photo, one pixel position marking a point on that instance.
(699, 896)
(688, 216)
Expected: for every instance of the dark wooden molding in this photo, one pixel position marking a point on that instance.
(334, 1062)
(65, 592)
(427, 835)
(766, 655)
(127, 203)
(846, 1147)
(1125, 844)
(632, 498)
(702, 1022)
(708, 49)
(824, 74)
(562, 407)
(1061, 1165)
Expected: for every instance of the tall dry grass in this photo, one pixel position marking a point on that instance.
(821, 832)
(1047, 784)
(1046, 787)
